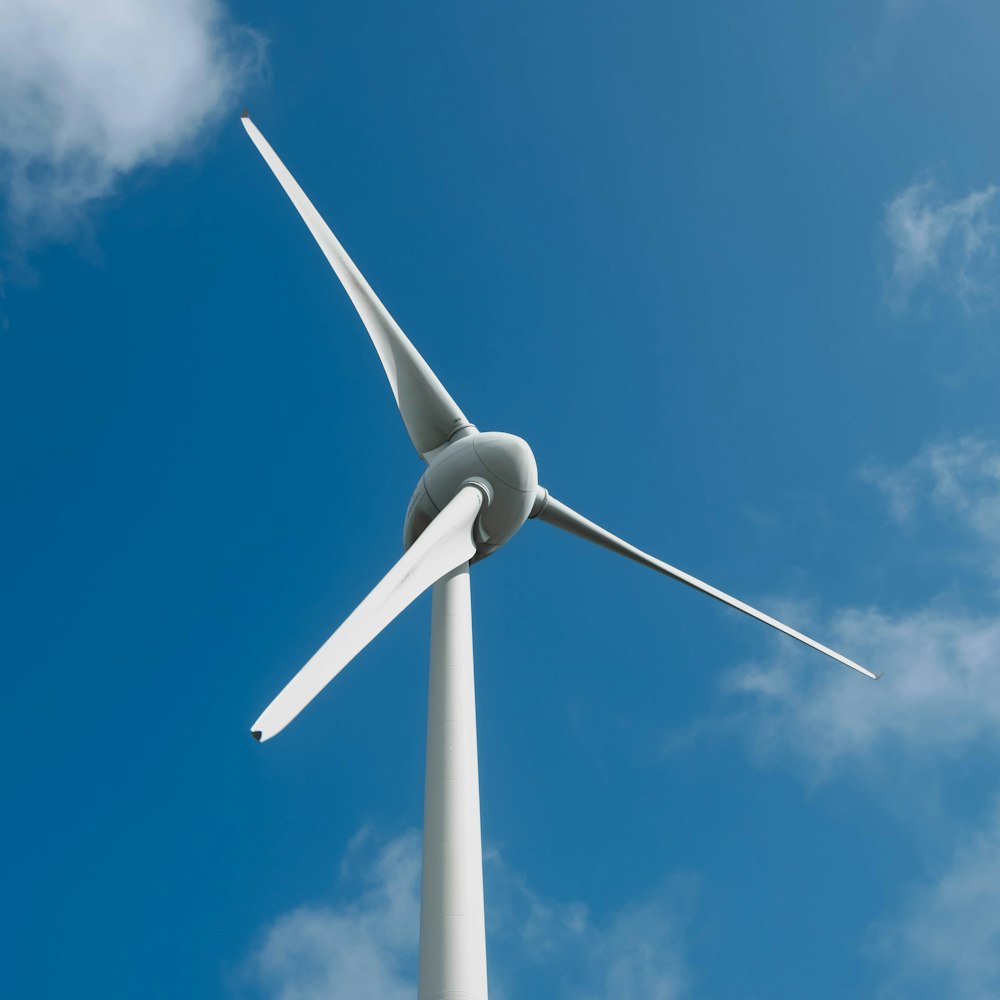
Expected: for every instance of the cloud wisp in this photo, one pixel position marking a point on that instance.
(957, 480)
(366, 946)
(945, 939)
(86, 99)
(950, 246)
(937, 706)
(539, 947)
(364, 949)
(961, 477)
(940, 694)
(941, 689)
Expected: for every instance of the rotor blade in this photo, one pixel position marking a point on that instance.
(431, 416)
(445, 544)
(548, 509)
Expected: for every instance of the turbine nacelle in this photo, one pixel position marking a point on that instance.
(504, 467)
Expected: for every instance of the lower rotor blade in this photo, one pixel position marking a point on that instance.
(550, 510)
(444, 545)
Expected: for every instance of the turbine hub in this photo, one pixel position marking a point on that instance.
(503, 461)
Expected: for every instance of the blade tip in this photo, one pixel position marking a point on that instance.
(245, 113)
(257, 734)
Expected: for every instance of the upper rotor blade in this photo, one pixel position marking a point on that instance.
(554, 512)
(444, 545)
(431, 416)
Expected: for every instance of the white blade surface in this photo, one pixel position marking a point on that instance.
(431, 416)
(564, 517)
(446, 543)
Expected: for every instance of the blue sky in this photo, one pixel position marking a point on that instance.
(731, 270)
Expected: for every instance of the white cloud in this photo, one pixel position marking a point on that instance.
(366, 947)
(946, 939)
(949, 245)
(941, 689)
(940, 692)
(88, 94)
(939, 702)
(636, 954)
(959, 480)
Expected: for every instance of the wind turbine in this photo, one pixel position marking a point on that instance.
(478, 489)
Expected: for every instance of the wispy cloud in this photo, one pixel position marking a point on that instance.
(940, 693)
(366, 946)
(941, 689)
(87, 95)
(638, 952)
(945, 940)
(938, 703)
(363, 949)
(950, 246)
(959, 479)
